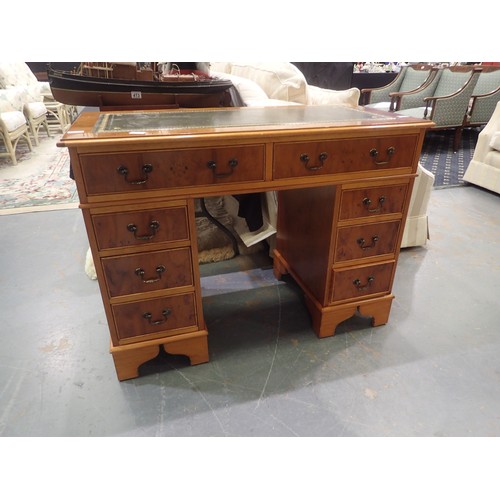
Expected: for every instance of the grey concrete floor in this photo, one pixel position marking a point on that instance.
(433, 370)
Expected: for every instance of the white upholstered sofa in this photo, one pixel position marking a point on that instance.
(484, 168)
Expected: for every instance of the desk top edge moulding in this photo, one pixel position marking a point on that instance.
(138, 173)
(106, 125)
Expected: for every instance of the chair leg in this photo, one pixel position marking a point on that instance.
(34, 131)
(457, 139)
(26, 135)
(46, 126)
(11, 149)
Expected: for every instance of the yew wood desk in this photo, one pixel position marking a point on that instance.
(344, 178)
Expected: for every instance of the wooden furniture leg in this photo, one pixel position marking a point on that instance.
(279, 266)
(128, 358)
(196, 348)
(326, 319)
(378, 309)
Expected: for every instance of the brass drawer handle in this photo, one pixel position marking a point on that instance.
(359, 286)
(165, 313)
(154, 226)
(147, 169)
(390, 152)
(361, 242)
(304, 158)
(140, 272)
(212, 165)
(367, 202)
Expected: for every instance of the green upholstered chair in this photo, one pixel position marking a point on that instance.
(408, 99)
(485, 97)
(410, 78)
(448, 105)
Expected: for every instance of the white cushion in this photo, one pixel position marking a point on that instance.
(44, 88)
(12, 120)
(247, 89)
(415, 112)
(380, 106)
(492, 159)
(220, 67)
(35, 109)
(33, 93)
(15, 74)
(349, 97)
(12, 99)
(495, 141)
(270, 102)
(280, 80)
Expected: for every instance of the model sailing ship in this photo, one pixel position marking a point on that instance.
(142, 86)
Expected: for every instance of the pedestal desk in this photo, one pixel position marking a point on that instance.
(344, 178)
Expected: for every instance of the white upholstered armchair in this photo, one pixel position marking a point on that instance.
(484, 168)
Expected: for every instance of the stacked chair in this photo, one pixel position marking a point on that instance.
(445, 100)
(13, 124)
(25, 106)
(455, 97)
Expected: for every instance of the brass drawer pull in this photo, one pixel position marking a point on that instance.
(147, 169)
(367, 202)
(140, 272)
(305, 159)
(361, 242)
(154, 226)
(359, 286)
(165, 313)
(212, 165)
(390, 152)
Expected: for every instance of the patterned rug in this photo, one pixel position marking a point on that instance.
(438, 156)
(39, 181)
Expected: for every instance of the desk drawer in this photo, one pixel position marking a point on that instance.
(373, 201)
(300, 159)
(165, 316)
(120, 173)
(141, 227)
(146, 272)
(367, 240)
(358, 282)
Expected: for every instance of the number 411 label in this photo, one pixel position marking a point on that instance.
(136, 94)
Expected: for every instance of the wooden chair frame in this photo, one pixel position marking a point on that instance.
(11, 138)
